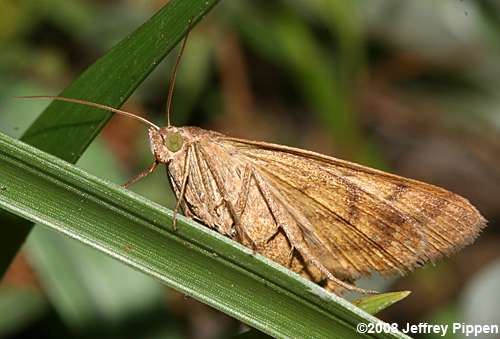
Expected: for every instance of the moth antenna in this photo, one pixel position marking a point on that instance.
(171, 83)
(92, 104)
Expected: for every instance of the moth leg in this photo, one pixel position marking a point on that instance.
(219, 204)
(182, 191)
(271, 237)
(185, 208)
(290, 257)
(241, 202)
(141, 175)
(295, 236)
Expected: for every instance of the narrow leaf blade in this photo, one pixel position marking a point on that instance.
(110, 80)
(193, 259)
(376, 303)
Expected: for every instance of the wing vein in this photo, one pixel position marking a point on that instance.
(392, 260)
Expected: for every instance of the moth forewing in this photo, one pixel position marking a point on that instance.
(362, 220)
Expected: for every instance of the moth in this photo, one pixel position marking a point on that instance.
(330, 220)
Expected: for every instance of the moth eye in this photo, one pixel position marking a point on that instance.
(173, 141)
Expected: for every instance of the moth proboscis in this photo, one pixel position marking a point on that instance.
(330, 220)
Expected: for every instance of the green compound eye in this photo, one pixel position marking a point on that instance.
(174, 141)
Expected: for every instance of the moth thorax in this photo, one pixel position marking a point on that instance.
(173, 141)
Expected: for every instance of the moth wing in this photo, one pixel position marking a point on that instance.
(358, 220)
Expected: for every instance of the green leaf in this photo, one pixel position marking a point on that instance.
(104, 292)
(376, 303)
(94, 289)
(195, 260)
(110, 80)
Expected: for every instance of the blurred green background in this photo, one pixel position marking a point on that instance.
(412, 87)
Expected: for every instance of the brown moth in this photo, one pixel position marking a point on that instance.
(330, 220)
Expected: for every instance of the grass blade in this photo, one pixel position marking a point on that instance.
(195, 260)
(376, 303)
(110, 80)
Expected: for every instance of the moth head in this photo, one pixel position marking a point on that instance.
(166, 143)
